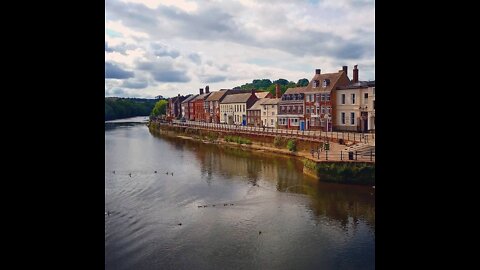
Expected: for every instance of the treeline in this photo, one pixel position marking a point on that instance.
(269, 86)
(116, 108)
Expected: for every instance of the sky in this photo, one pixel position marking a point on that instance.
(171, 47)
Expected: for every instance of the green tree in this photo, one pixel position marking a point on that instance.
(302, 82)
(281, 81)
(160, 108)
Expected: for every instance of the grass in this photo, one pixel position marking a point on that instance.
(237, 139)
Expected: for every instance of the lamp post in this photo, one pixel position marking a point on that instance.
(327, 117)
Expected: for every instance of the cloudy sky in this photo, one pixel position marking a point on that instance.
(170, 47)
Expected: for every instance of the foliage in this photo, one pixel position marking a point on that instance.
(269, 86)
(292, 145)
(347, 172)
(237, 139)
(116, 108)
(160, 108)
(302, 82)
(278, 141)
(312, 165)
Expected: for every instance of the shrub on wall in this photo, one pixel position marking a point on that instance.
(292, 145)
(278, 141)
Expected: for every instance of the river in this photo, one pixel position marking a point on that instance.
(267, 213)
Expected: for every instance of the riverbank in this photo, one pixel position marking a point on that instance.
(337, 169)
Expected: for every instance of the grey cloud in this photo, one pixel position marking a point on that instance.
(113, 71)
(195, 57)
(165, 21)
(215, 78)
(108, 49)
(135, 84)
(163, 71)
(162, 50)
(121, 48)
(118, 91)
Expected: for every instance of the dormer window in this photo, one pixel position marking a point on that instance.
(326, 82)
(316, 83)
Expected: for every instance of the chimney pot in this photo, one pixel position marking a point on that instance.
(207, 89)
(201, 91)
(317, 71)
(345, 68)
(355, 74)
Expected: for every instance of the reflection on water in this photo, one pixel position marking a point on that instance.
(304, 224)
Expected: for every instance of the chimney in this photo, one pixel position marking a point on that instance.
(207, 89)
(345, 69)
(355, 74)
(253, 91)
(278, 93)
(317, 71)
(201, 91)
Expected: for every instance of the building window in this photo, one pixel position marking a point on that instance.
(353, 98)
(323, 97)
(273, 113)
(343, 118)
(271, 122)
(318, 110)
(264, 113)
(366, 95)
(316, 83)
(352, 118)
(273, 106)
(329, 110)
(244, 107)
(323, 110)
(308, 110)
(327, 96)
(326, 82)
(300, 109)
(343, 98)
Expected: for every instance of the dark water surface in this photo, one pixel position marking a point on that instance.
(304, 224)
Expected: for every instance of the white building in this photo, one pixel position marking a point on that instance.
(355, 107)
(233, 108)
(269, 111)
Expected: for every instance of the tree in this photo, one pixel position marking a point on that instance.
(281, 81)
(302, 82)
(160, 108)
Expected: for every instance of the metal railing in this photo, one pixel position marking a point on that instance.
(338, 136)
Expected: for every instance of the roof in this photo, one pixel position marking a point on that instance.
(189, 98)
(256, 105)
(270, 101)
(217, 95)
(237, 98)
(360, 84)
(333, 77)
(261, 94)
(295, 90)
(202, 96)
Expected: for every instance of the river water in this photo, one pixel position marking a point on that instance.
(267, 213)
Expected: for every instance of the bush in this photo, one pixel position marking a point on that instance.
(237, 139)
(278, 141)
(292, 145)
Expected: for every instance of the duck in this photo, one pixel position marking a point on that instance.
(155, 171)
(130, 174)
(113, 172)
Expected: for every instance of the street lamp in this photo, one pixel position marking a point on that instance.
(327, 117)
